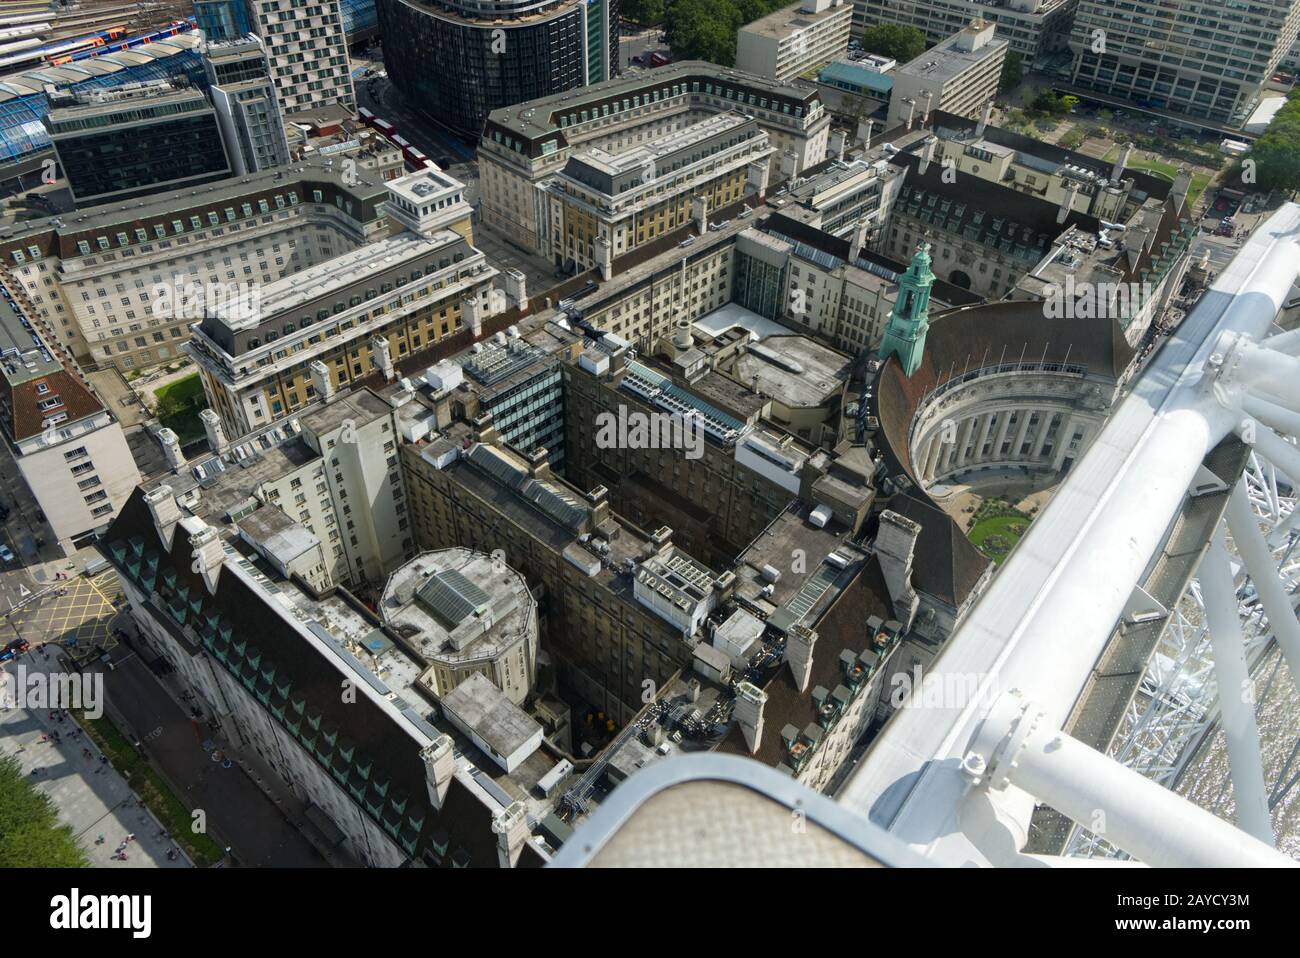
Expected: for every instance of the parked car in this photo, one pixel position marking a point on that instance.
(6, 554)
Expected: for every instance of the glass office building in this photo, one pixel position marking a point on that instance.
(222, 19)
(120, 144)
(457, 61)
(23, 103)
(359, 18)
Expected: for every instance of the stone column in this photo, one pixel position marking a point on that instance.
(1020, 433)
(946, 458)
(1063, 443)
(1002, 432)
(932, 454)
(1044, 430)
(967, 429)
(983, 437)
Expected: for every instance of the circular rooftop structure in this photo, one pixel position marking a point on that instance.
(465, 613)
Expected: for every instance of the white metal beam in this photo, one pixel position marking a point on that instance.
(1016, 746)
(1050, 611)
(1262, 567)
(1236, 707)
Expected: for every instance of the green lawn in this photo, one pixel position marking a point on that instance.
(148, 784)
(1165, 169)
(179, 405)
(997, 535)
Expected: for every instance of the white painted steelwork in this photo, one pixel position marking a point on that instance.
(1049, 613)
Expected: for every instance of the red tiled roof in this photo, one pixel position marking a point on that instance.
(20, 404)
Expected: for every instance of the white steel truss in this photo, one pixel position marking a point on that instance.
(1175, 715)
(960, 783)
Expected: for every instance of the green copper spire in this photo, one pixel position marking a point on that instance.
(910, 320)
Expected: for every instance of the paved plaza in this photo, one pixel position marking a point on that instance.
(88, 793)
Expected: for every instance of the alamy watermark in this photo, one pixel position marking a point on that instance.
(182, 300)
(1085, 300)
(632, 429)
(76, 911)
(940, 690)
(34, 689)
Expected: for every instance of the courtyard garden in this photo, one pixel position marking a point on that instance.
(996, 527)
(179, 405)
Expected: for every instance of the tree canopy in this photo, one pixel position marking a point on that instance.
(1013, 71)
(891, 40)
(1048, 102)
(643, 11)
(30, 833)
(706, 29)
(1276, 154)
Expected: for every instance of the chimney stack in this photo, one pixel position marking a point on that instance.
(1067, 202)
(517, 289)
(757, 176)
(473, 315)
(208, 556)
(789, 164)
(799, 642)
(604, 258)
(927, 152)
(1117, 173)
(171, 446)
(216, 434)
(381, 354)
(864, 132)
(750, 700)
(859, 242)
(700, 213)
(986, 119)
(165, 511)
(439, 768)
(911, 110)
(321, 381)
(1182, 183)
(511, 827)
(838, 142)
(895, 546)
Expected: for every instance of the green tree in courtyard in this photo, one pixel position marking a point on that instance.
(891, 40)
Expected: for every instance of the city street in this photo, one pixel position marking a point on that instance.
(79, 618)
(378, 95)
(237, 810)
(89, 794)
(638, 41)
